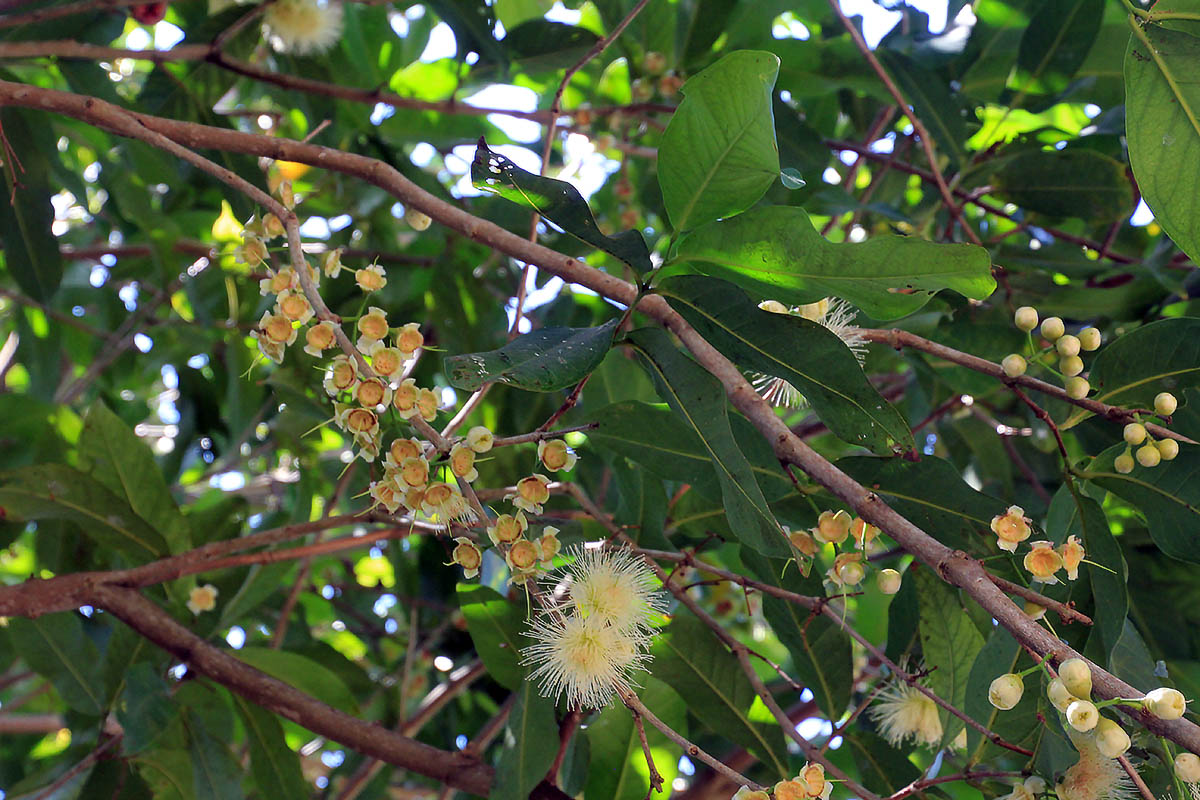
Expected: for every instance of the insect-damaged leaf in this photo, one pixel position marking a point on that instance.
(557, 201)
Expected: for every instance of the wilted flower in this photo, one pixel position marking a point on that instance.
(555, 455)
(1072, 554)
(409, 339)
(1011, 527)
(862, 532)
(847, 570)
(341, 376)
(508, 528)
(467, 555)
(303, 26)
(480, 439)
(331, 263)
(832, 527)
(746, 793)
(319, 338)
(804, 542)
(202, 598)
(531, 493)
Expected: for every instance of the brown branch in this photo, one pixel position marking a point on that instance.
(954, 567)
(921, 785)
(1065, 610)
(1132, 772)
(83, 764)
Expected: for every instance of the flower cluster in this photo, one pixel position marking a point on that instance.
(809, 784)
(1065, 346)
(831, 313)
(594, 631)
(1043, 560)
(1149, 452)
(849, 567)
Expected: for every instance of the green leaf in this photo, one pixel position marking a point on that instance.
(56, 491)
(215, 773)
(117, 458)
(1163, 356)
(1162, 127)
(776, 253)
(1054, 45)
(949, 641)
(495, 626)
(1168, 495)
(820, 649)
(145, 709)
(617, 770)
(30, 248)
(809, 356)
(272, 763)
(932, 494)
(718, 155)
(513, 12)
(533, 744)
(302, 673)
(881, 767)
(168, 772)
(558, 201)
(56, 647)
(1019, 724)
(1067, 183)
(689, 658)
(1131, 660)
(1084, 518)
(542, 361)
(931, 100)
(697, 397)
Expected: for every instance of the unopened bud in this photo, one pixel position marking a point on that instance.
(1166, 703)
(1111, 738)
(1076, 677)
(1082, 715)
(1014, 366)
(1005, 692)
(1148, 455)
(1026, 318)
(1165, 404)
(889, 581)
(1187, 767)
(1053, 328)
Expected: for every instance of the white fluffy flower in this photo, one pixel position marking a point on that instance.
(613, 585)
(303, 26)
(903, 713)
(833, 314)
(1093, 777)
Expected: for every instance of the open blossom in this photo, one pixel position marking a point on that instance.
(1011, 527)
(804, 542)
(404, 398)
(522, 559)
(303, 26)
(374, 328)
(202, 598)
(401, 449)
(480, 439)
(278, 282)
(531, 493)
(341, 376)
(548, 546)
(387, 494)
(555, 455)
(508, 528)
(428, 403)
(847, 570)
(832, 527)
(319, 338)
(409, 339)
(613, 585)
(1072, 555)
(462, 462)
(277, 328)
(1043, 561)
(251, 251)
(904, 713)
(467, 555)
(810, 784)
(373, 392)
(1094, 776)
(370, 279)
(386, 361)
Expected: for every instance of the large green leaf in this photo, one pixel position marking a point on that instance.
(30, 248)
(807, 355)
(718, 155)
(776, 253)
(697, 397)
(1084, 518)
(301, 672)
(949, 642)
(689, 658)
(931, 100)
(663, 443)
(272, 762)
(56, 647)
(1161, 356)
(216, 775)
(617, 770)
(56, 491)
(495, 627)
(1067, 183)
(1054, 45)
(931, 493)
(820, 648)
(1168, 495)
(1162, 126)
(145, 708)
(116, 457)
(542, 361)
(881, 767)
(168, 772)
(558, 201)
(531, 748)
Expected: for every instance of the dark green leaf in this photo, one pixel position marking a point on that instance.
(145, 708)
(1054, 45)
(617, 770)
(495, 625)
(117, 458)
(557, 201)
(1067, 183)
(1131, 660)
(689, 658)
(697, 397)
(820, 649)
(718, 154)
(807, 355)
(168, 772)
(949, 642)
(1163, 356)
(881, 767)
(1162, 124)
(528, 756)
(542, 361)
(215, 773)
(272, 762)
(301, 672)
(56, 647)
(30, 248)
(55, 491)
(777, 254)
(931, 100)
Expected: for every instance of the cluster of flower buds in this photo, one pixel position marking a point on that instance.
(1043, 560)
(1149, 452)
(810, 784)
(849, 568)
(1065, 345)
